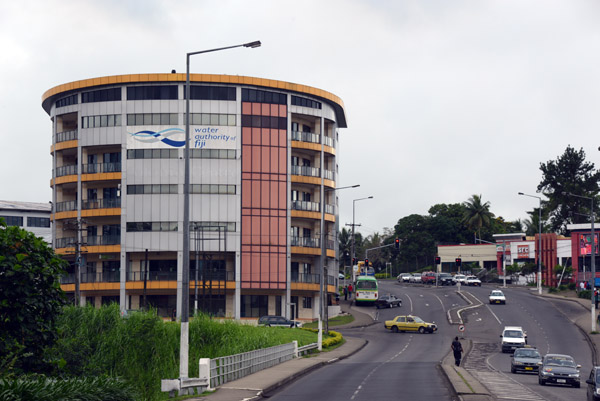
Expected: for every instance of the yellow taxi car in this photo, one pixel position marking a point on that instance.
(410, 323)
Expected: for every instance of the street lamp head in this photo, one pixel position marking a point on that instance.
(370, 197)
(521, 193)
(253, 44)
(355, 186)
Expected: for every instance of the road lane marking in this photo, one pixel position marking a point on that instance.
(411, 304)
(493, 314)
(443, 308)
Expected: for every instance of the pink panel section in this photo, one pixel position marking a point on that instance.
(282, 137)
(246, 138)
(246, 232)
(264, 272)
(273, 228)
(255, 231)
(282, 231)
(256, 262)
(265, 194)
(265, 137)
(282, 161)
(275, 110)
(274, 137)
(264, 229)
(274, 194)
(246, 264)
(275, 161)
(282, 110)
(247, 193)
(266, 109)
(256, 136)
(246, 158)
(246, 108)
(256, 159)
(256, 109)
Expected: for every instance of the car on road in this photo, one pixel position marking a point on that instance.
(428, 278)
(593, 382)
(459, 279)
(445, 279)
(415, 278)
(497, 297)
(559, 369)
(513, 337)
(388, 301)
(410, 323)
(277, 321)
(404, 277)
(525, 359)
(341, 276)
(472, 280)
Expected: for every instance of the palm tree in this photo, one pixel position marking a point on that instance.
(477, 214)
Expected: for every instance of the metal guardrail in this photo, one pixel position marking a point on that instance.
(307, 349)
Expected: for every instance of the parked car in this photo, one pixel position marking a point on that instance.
(404, 277)
(445, 279)
(341, 276)
(388, 301)
(559, 369)
(473, 280)
(513, 337)
(497, 297)
(277, 321)
(410, 323)
(525, 360)
(415, 278)
(593, 382)
(428, 278)
(460, 279)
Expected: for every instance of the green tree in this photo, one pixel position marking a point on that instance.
(569, 173)
(418, 246)
(30, 299)
(446, 224)
(345, 245)
(477, 214)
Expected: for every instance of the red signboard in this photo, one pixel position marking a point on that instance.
(523, 251)
(585, 244)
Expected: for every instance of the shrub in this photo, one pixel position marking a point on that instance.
(586, 294)
(552, 290)
(562, 287)
(572, 286)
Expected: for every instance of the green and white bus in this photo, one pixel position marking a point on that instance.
(367, 290)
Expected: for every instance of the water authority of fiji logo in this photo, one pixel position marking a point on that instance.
(202, 137)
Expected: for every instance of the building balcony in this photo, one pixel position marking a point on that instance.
(310, 137)
(305, 278)
(66, 136)
(95, 168)
(329, 175)
(101, 203)
(328, 141)
(307, 242)
(306, 206)
(66, 206)
(306, 171)
(66, 170)
(65, 242)
(102, 240)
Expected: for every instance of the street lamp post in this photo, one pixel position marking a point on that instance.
(322, 284)
(539, 241)
(593, 255)
(185, 280)
(353, 215)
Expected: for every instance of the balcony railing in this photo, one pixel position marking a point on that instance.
(305, 137)
(102, 240)
(306, 171)
(328, 141)
(101, 203)
(329, 175)
(306, 206)
(66, 170)
(305, 278)
(65, 206)
(172, 276)
(65, 242)
(66, 136)
(330, 209)
(305, 242)
(95, 168)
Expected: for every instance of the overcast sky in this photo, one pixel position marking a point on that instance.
(444, 99)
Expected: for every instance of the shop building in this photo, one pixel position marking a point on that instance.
(262, 153)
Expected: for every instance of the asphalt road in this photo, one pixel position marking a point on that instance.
(405, 365)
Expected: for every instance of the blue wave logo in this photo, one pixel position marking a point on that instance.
(162, 136)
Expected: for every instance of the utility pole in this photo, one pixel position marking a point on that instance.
(77, 224)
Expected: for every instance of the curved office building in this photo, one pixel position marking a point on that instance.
(262, 153)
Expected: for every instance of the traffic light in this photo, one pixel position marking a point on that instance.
(458, 261)
(397, 242)
(354, 261)
(366, 262)
(438, 260)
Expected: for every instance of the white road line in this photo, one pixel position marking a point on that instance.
(493, 314)
(443, 308)
(411, 304)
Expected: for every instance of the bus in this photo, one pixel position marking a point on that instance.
(367, 290)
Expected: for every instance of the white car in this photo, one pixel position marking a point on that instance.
(460, 278)
(415, 278)
(497, 297)
(472, 280)
(404, 277)
(513, 337)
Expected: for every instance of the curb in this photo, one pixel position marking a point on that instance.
(462, 382)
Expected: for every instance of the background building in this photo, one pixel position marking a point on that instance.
(262, 153)
(34, 217)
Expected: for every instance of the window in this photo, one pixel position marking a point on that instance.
(264, 121)
(259, 96)
(109, 120)
(254, 305)
(157, 92)
(152, 189)
(212, 119)
(66, 101)
(102, 95)
(212, 92)
(304, 102)
(153, 119)
(215, 189)
(212, 154)
(151, 226)
(307, 303)
(152, 154)
(212, 226)
(13, 220)
(38, 222)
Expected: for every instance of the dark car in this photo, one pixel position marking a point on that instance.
(593, 382)
(445, 279)
(525, 360)
(558, 369)
(274, 321)
(388, 301)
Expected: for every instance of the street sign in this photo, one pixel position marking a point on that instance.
(461, 328)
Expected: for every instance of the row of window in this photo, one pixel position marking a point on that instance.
(212, 119)
(109, 120)
(152, 189)
(174, 154)
(147, 226)
(304, 102)
(101, 95)
(67, 101)
(264, 122)
(260, 96)
(152, 92)
(31, 221)
(153, 119)
(212, 92)
(218, 189)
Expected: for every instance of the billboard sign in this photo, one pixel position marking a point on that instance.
(585, 244)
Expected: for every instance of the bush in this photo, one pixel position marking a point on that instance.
(585, 294)
(562, 287)
(572, 286)
(552, 290)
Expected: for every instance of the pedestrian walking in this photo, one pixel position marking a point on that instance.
(581, 285)
(345, 293)
(596, 297)
(350, 290)
(457, 350)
